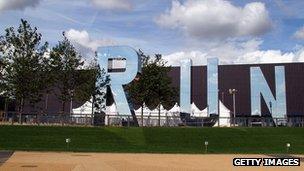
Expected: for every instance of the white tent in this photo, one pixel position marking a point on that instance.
(138, 110)
(175, 109)
(111, 110)
(111, 115)
(150, 116)
(196, 112)
(154, 112)
(224, 116)
(205, 111)
(163, 112)
(85, 109)
(146, 110)
(174, 115)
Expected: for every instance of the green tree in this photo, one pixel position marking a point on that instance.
(23, 58)
(134, 89)
(153, 85)
(94, 87)
(65, 64)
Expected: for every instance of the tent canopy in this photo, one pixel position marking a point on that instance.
(86, 108)
(175, 108)
(195, 111)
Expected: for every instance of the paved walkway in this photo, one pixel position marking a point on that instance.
(5, 155)
(32, 161)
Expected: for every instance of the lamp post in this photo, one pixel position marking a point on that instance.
(206, 146)
(67, 141)
(287, 147)
(71, 101)
(233, 92)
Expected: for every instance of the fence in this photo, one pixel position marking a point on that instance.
(50, 119)
(149, 121)
(169, 121)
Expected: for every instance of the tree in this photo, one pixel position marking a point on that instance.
(95, 87)
(23, 59)
(65, 64)
(153, 86)
(134, 89)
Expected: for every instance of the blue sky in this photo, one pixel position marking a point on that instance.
(265, 31)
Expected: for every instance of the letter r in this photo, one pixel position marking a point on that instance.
(118, 79)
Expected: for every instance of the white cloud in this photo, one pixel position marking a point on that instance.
(6, 5)
(226, 51)
(238, 53)
(85, 44)
(83, 38)
(299, 34)
(268, 56)
(124, 5)
(198, 58)
(216, 19)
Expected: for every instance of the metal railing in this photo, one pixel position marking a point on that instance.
(171, 121)
(148, 121)
(50, 119)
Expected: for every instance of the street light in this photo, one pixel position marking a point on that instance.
(287, 147)
(233, 92)
(68, 141)
(206, 146)
(71, 92)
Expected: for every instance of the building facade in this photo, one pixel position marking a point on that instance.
(240, 78)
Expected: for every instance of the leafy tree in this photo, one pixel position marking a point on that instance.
(95, 87)
(100, 87)
(134, 89)
(23, 58)
(153, 86)
(49, 80)
(65, 64)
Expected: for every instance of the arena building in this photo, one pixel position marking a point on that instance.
(233, 92)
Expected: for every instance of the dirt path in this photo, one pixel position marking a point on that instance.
(5, 155)
(32, 161)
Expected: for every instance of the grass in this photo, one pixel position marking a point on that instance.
(152, 140)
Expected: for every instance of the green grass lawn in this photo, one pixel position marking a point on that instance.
(152, 140)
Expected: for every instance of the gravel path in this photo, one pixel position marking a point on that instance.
(62, 161)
